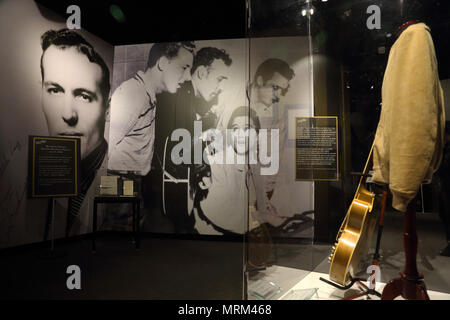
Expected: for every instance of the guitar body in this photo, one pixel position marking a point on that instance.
(355, 233)
(176, 195)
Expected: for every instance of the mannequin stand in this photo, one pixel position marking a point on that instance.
(365, 291)
(410, 284)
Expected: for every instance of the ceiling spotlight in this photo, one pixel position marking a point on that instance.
(307, 9)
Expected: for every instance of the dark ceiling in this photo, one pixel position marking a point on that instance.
(338, 27)
(148, 21)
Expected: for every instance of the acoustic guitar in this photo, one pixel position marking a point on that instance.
(356, 230)
(180, 185)
(177, 198)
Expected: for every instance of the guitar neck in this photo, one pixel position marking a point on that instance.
(366, 171)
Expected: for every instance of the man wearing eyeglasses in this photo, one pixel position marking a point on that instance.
(270, 84)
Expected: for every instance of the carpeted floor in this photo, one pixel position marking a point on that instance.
(167, 268)
(162, 269)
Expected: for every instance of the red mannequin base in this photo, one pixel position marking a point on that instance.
(410, 289)
(410, 284)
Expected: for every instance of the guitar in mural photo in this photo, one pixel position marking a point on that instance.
(188, 111)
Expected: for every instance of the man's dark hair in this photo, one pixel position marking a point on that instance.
(167, 49)
(244, 111)
(206, 56)
(66, 38)
(268, 68)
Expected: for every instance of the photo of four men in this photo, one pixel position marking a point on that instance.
(181, 85)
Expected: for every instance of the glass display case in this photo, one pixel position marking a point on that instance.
(276, 150)
(347, 58)
(282, 214)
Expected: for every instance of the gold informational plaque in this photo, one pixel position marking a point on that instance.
(53, 166)
(108, 185)
(128, 188)
(316, 148)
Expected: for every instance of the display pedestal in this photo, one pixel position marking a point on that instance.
(410, 284)
(135, 201)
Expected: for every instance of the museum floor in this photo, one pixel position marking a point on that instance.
(196, 269)
(161, 269)
(290, 274)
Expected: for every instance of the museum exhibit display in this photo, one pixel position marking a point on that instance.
(378, 68)
(250, 150)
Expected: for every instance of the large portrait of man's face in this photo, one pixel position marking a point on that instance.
(72, 101)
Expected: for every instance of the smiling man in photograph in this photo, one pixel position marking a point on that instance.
(192, 102)
(75, 91)
(209, 73)
(133, 106)
(133, 120)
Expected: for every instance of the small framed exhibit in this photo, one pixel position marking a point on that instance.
(109, 185)
(53, 167)
(316, 148)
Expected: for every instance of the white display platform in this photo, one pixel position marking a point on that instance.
(328, 292)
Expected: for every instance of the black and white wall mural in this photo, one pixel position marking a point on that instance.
(182, 118)
(205, 128)
(55, 82)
